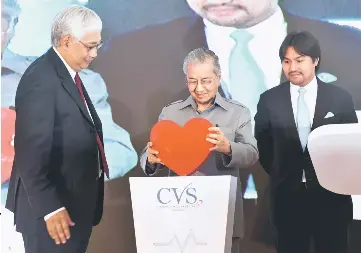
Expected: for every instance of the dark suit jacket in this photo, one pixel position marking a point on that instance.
(56, 153)
(280, 150)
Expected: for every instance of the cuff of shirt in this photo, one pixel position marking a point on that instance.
(227, 157)
(55, 212)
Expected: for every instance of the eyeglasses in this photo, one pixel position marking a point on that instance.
(89, 48)
(203, 81)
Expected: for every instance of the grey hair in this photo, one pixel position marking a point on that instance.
(200, 55)
(10, 9)
(75, 21)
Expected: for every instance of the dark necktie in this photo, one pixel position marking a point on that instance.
(78, 83)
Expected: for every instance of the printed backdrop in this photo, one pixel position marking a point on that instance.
(139, 70)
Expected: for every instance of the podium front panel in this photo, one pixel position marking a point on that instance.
(183, 214)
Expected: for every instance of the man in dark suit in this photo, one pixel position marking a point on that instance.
(57, 181)
(301, 209)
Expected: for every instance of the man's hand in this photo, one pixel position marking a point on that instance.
(152, 155)
(221, 143)
(58, 226)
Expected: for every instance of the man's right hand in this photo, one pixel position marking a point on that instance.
(58, 226)
(152, 155)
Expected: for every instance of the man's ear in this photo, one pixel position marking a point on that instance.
(317, 61)
(65, 41)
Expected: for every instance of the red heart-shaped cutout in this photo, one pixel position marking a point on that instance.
(7, 142)
(182, 149)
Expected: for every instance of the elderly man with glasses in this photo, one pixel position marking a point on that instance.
(116, 139)
(235, 148)
(56, 187)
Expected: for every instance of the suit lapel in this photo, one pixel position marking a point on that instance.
(321, 104)
(70, 87)
(287, 115)
(289, 118)
(287, 111)
(194, 38)
(68, 83)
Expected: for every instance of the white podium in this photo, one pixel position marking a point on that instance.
(183, 214)
(335, 152)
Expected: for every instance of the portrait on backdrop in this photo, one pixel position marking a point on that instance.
(157, 51)
(245, 35)
(138, 71)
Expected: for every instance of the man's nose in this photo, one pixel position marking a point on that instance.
(199, 87)
(293, 66)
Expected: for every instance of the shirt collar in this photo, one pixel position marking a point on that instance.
(70, 70)
(257, 30)
(311, 87)
(219, 100)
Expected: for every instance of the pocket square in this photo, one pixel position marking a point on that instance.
(329, 115)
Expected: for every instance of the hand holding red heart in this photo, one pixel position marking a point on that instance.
(220, 141)
(181, 149)
(152, 154)
(184, 149)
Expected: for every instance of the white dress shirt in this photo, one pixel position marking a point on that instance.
(310, 99)
(264, 47)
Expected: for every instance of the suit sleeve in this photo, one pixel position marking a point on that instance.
(348, 113)
(263, 135)
(244, 147)
(151, 169)
(35, 113)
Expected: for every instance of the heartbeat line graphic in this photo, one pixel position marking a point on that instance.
(182, 246)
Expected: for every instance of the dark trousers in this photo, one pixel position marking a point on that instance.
(355, 239)
(41, 242)
(236, 245)
(313, 220)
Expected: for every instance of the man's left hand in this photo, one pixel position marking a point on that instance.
(221, 143)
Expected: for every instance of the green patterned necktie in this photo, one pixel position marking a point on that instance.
(246, 78)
